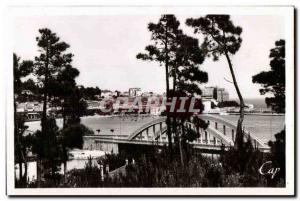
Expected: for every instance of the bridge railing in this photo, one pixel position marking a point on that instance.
(210, 136)
(229, 128)
(110, 136)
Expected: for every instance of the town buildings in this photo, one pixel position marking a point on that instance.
(133, 92)
(211, 96)
(208, 92)
(29, 107)
(221, 95)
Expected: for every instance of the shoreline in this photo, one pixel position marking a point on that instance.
(254, 114)
(212, 113)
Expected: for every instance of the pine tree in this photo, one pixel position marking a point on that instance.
(222, 37)
(186, 72)
(273, 81)
(47, 65)
(163, 34)
(20, 70)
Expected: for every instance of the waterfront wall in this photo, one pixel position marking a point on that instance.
(90, 143)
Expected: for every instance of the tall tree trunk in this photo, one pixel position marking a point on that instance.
(18, 136)
(63, 115)
(174, 78)
(20, 171)
(168, 94)
(23, 160)
(177, 141)
(65, 171)
(180, 145)
(174, 122)
(38, 171)
(18, 143)
(65, 163)
(44, 116)
(25, 171)
(168, 122)
(239, 131)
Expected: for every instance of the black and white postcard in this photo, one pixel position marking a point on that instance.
(150, 100)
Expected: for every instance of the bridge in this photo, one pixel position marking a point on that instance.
(219, 134)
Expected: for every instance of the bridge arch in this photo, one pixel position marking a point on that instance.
(160, 122)
(209, 136)
(219, 132)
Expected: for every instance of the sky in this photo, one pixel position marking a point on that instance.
(105, 49)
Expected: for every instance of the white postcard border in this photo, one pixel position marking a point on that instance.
(286, 12)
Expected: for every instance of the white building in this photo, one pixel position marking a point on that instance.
(29, 107)
(208, 92)
(207, 103)
(207, 106)
(20, 107)
(135, 92)
(221, 95)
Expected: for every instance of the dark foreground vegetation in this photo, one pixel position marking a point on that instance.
(156, 169)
